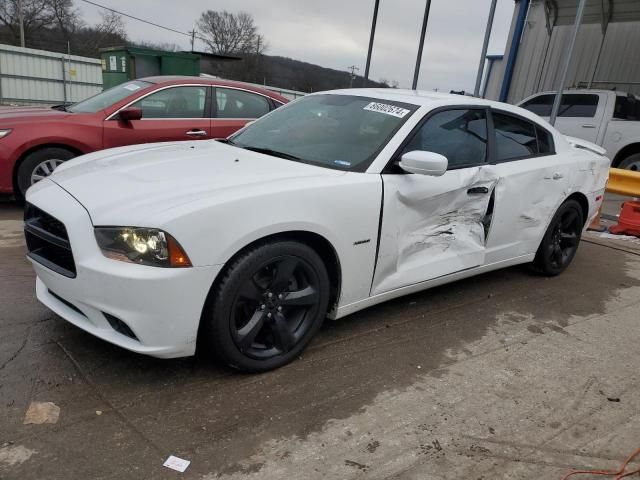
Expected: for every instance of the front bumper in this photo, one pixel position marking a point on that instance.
(161, 306)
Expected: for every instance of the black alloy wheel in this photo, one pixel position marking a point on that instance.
(561, 239)
(268, 306)
(275, 308)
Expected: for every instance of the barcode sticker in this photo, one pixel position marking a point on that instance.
(387, 109)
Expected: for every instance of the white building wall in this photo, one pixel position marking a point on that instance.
(29, 76)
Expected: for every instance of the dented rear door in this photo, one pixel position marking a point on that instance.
(532, 183)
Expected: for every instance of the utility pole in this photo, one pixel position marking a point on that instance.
(353, 69)
(373, 32)
(416, 72)
(485, 45)
(193, 38)
(21, 22)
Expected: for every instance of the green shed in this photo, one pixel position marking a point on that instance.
(120, 64)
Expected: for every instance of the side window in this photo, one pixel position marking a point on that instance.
(545, 141)
(460, 135)
(175, 102)
(515, 138)
(540, 105)
(573, 105)
(233, 103)
(627, 108)
(578, 105)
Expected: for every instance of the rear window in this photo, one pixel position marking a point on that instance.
(627, 108)
(582, 105)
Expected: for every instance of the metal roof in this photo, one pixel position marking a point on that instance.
(563, 12)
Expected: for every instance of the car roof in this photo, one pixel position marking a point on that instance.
(423, 97)
(582, 91)
(178, 79)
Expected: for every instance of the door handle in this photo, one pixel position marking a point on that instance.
(197, 133)
(477, 191)
(555, 176)
(588, 125)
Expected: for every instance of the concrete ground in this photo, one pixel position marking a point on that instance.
(506, 375)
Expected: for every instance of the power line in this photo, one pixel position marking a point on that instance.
(187, 34)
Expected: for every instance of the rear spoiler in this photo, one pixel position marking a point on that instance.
(592, 147)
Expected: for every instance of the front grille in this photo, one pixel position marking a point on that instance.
(48, 242)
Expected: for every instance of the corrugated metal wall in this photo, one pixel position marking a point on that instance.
(29, 76)
(540, 56)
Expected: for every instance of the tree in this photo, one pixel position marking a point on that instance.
(227, 33)
(36, 14)
(166, 46)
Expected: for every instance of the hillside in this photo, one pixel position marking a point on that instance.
(284, 73)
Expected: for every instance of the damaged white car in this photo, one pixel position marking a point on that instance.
(331, 204)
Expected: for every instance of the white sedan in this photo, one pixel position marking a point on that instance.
(331, 204)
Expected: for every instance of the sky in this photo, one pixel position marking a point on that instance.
(335, 33)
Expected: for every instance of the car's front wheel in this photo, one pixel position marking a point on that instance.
(39, 165)
(560, 241)
(269, 304)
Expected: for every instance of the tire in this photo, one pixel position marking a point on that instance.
(269, 304)
(561, 240)
(45, 160)
(632, 162)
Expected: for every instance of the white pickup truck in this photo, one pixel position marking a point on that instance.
(607, 118)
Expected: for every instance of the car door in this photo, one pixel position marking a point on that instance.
(580, 114)
(532, 182)
(434, 226)
(172, 113)
(234, 108)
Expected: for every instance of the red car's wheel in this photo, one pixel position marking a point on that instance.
(39, 165)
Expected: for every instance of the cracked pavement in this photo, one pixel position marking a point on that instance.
(505, 375)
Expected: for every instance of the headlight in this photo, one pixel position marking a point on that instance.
(4, 132)
(146, 246)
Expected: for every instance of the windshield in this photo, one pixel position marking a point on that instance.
(336, 131)
(108, 97)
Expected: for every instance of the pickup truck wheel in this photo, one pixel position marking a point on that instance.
(39, 165)
(267, 307)
(632, 162)
(560, 241)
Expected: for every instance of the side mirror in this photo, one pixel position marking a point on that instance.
(130, 113)
(424, 163)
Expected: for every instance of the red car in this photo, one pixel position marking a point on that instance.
(34, 140)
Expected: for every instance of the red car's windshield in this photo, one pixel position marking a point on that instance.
(107, 98)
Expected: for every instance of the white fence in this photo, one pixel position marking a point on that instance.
(29, 76)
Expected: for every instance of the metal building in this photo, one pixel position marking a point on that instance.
(606, 53)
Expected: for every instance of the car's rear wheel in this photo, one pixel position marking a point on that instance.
(632, 162)
(560, 241)
(267, 307)
(39, 165)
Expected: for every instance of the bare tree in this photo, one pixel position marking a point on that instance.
(111, 24)
(227, 33)
(166, 46)
(36, 15)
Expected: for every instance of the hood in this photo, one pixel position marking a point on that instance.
(30, 113)
(134, 185)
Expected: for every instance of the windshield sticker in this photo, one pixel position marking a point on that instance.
(133, 87)
(387, 109)
(342, 163)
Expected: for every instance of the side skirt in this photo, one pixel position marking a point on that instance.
(399, 292)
